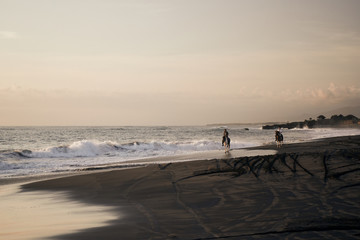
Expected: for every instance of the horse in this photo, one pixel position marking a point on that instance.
(226, 143)
(278, 138)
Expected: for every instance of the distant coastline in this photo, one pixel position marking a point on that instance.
(335, 121)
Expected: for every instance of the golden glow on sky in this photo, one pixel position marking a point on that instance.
(176, 62)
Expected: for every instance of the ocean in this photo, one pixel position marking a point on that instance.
(31, 151)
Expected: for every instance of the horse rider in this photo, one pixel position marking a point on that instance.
(226, 138)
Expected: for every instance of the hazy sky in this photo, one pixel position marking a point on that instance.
(164, 62)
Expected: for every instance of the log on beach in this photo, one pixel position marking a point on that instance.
(306, 191)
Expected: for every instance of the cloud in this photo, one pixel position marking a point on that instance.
(336, 93)
(8, 35)
(26, 106)
(332, 94)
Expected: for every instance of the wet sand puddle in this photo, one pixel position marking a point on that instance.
(40, 215)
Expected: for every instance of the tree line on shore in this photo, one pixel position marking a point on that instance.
(321, 121)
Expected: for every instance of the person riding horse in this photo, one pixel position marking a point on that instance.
(226, 140)
(278, 138)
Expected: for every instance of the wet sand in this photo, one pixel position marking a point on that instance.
(42, 214)
(305, 191)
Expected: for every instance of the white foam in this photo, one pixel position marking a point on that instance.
(84, 148)
(93, 148)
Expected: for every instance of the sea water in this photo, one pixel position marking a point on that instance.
(29, 151)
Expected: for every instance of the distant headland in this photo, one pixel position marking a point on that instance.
(335, 121)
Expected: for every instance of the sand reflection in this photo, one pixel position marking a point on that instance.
(39, 214)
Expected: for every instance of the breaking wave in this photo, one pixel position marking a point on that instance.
(94, 148)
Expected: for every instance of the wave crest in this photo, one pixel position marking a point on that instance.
(93, 148)
(84, 148)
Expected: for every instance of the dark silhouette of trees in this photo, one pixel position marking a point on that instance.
(334, 121)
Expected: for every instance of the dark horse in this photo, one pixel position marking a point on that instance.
(278, 138)
(226, 143)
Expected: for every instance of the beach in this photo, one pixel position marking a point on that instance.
(179, 120)
(307, 190)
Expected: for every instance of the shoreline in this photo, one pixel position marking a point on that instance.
(305, 190)
(42, 166)
(200, 156)
(329, 143)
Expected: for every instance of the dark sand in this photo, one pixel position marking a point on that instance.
(306, 191)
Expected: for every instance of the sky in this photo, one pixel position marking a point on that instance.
(178, 62)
